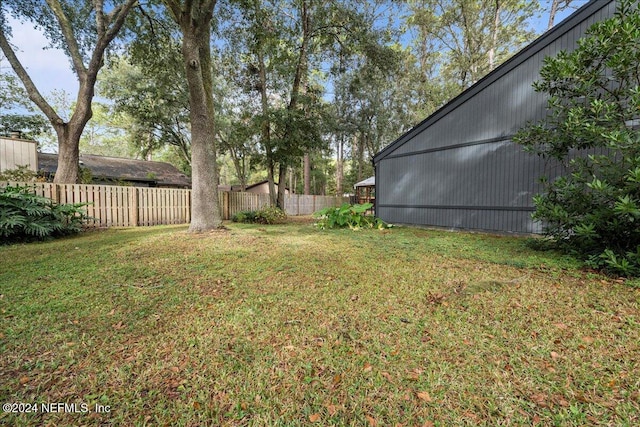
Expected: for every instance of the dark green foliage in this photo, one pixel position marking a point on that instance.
(269, 215)
(244, 217)
(353, 216)
(25, 216)
(593, 210)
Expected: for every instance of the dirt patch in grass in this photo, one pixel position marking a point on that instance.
(289, 325)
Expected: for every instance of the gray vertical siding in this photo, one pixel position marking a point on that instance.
(459, 168)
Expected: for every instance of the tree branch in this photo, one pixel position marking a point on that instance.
(31, 88)
(70, 38)
(175, 8)
(98, 6)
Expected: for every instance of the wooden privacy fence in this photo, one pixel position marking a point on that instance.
(295, 204)
(116, 206)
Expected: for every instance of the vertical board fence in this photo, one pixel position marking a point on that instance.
(116, 206)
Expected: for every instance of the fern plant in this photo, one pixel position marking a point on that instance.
(25, 216)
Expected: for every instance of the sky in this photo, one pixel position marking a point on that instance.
(51, 69)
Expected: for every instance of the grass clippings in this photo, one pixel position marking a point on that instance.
(290, 326)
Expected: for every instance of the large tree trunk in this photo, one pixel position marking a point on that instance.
(196, 31)
(68, 155)
(205, 213)
(69, 133)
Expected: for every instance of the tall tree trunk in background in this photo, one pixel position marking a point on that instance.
(194, 19)
(307, 174)
(362, 142)
(339, 166)
(556, 6)
(300, 75)
(494, 35)
(552, 14)
(265, 134)
(282, 179)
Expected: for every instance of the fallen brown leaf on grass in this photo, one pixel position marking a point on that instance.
(539, 399)
(332, 410)
(336, 380)
(314, 418)
(117, 326)
(423, 395)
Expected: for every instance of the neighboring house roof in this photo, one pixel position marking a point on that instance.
(369, 182)
(258, 184)
(120, 169)
(235, 187)
(523, 55)
(261, 183)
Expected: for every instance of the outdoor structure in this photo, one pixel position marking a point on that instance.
(15, 152)
(459, 167)
(365, 191)
(116, 170)
(261, 187)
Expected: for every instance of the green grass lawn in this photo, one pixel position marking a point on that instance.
(288, 325)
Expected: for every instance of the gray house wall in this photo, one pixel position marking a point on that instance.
(458, 168)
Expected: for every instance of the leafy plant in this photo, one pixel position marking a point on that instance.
(268, 215)
(593, 209)
(26, 216)
(244, 217)
(19, 174)
(353, 216)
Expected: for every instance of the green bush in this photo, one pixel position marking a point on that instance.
(593, 210)
(244, 217)
(353, 216)
(19, 174)
(269, 215)
(25, 216)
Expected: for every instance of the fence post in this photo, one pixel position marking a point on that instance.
(226, 208)
(133, 206)
(56, 193)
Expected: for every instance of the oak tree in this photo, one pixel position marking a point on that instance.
(84, 30)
